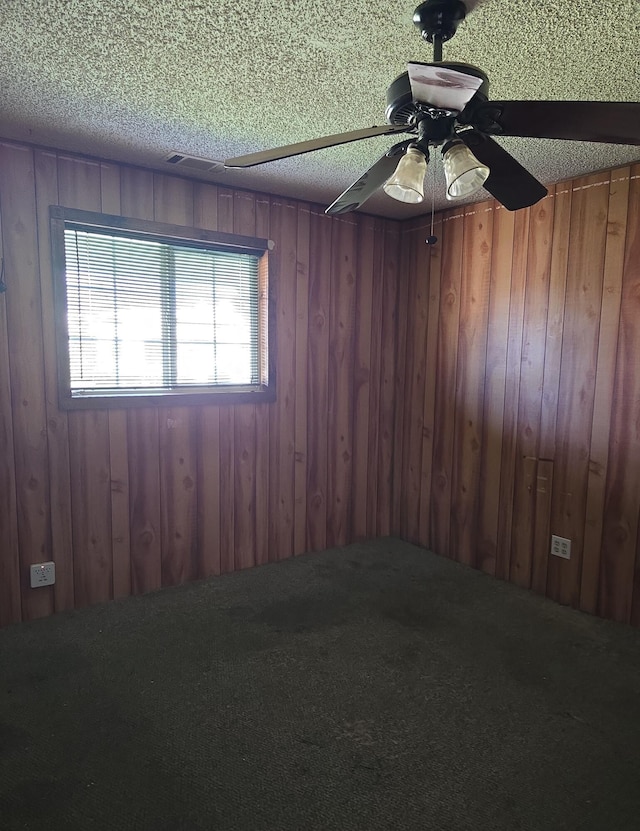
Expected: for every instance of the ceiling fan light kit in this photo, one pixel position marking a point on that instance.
(407, 183)
(446, 104)
(463, 173)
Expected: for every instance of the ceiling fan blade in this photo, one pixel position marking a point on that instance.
(509, 182)
(606, 121)
(288, 150)
(441, 87)
(358, 193)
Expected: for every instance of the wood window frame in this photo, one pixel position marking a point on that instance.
(233, 394)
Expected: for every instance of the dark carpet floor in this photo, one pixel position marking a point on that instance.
(372, 687)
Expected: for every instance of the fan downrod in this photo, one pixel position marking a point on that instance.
(438, 21)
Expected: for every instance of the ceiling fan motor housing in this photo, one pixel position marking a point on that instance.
(436, 125)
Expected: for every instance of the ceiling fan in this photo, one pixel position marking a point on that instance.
(446, 105)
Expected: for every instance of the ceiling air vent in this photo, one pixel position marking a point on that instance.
(193, 162)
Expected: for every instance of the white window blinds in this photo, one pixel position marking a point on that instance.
(147, 315)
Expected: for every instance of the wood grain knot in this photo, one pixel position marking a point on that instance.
(146, 538)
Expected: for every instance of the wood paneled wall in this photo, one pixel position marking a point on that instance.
(127, 501)
(474, 397)
(522, 391)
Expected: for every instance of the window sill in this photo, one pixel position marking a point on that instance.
(170, 398)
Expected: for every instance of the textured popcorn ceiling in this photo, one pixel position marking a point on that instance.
(135, 80)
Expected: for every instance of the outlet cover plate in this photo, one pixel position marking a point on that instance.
(43, 574)
(561, 547)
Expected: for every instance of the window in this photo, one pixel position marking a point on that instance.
(147, 311)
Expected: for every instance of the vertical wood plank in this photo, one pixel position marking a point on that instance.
(415, 371)
(26, 367)
(555, 319)
(263, 210)
(110, 188)
(144, 500)
(405, 336)
(374, 374)
(387, 374)
(531, 380)
(143, 443)
(452, 247)
(622, 505)
(542, 529)
(205, 206)
(173, 202)
(341, 331)
(362, 376)
(431, 354)
(244, 428)
(178, 480)
(136, 193)
(405, 325)
(205, 216)
(244, 485)
(282, 416)
(10, 594)
(577, 377)
(91, 483)
(208, 443)
(118, 454)
(46, 168)
(495, 377)
(512, 392)
(604, 387)
(471, 358)
(79, 187)
(318, 378)
(226, 430)
(551, 381)
(302, 334)
(120, 498)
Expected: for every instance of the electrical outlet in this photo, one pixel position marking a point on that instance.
(43, 574)
(561, 547)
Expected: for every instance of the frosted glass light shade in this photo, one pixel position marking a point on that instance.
(407, 183)
(464, 174)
